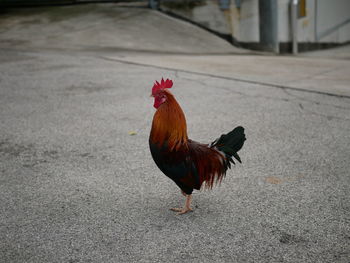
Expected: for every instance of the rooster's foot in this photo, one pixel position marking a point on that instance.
(181, 211)
(187, 206)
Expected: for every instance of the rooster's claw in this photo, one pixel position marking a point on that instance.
(181, 211)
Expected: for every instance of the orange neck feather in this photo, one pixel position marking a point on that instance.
(169, 124)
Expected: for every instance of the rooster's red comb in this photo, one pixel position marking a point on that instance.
(164, 84)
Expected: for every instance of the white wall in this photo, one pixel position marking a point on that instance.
(284, 33)
(246, 22)
(306, 25)
(329, 15)
(321, 15)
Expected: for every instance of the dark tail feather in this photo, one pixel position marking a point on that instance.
(231, 143)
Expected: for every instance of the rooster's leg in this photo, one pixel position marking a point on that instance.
(186, 208)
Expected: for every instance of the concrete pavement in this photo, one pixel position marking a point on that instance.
(75, 186)
(114, 27)
(342, 52)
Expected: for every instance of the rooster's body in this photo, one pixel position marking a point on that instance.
(188, 163)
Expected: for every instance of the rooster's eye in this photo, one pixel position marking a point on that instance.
(162, 97)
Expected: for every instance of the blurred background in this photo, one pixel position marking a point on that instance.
(280, 26)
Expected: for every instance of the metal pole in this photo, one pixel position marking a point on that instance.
(268, 25)
(294, 16)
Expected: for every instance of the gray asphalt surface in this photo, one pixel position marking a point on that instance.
(75, 186)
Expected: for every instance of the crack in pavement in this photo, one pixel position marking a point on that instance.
(315, 102)
(227, 78)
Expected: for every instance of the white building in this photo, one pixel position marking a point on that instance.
(320, 23)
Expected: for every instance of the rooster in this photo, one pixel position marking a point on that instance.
(188, 163)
